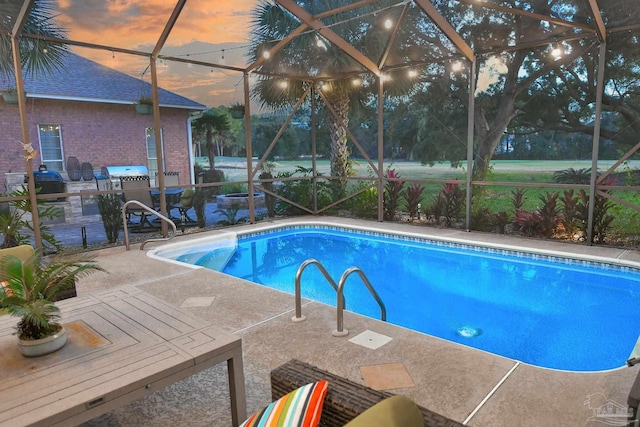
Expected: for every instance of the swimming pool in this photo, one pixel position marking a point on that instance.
(549, 311)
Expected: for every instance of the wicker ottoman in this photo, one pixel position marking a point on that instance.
(345, 399)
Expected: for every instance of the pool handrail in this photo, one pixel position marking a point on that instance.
(151, 211)
(298, 297)
(340, 331)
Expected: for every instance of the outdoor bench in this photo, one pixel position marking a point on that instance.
(345, 399)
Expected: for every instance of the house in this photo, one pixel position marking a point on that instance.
(87, 111)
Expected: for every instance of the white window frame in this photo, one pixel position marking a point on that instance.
(152, 162)
(48, 162)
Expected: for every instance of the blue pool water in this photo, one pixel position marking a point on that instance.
(554, 313)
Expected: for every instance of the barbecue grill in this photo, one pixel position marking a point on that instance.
(49, 182)
(120, 171)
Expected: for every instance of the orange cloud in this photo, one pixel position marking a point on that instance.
(202, 30)
(134, 24)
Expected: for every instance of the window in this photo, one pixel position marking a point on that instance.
(152, 155)
(51, 147)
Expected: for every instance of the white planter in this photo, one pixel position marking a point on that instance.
(33, 348)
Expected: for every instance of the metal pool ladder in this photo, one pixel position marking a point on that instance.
(339, 288)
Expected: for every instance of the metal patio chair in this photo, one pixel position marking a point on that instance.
(137, 188)
(172, 195)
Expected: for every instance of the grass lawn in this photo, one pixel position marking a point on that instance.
(503, 170)
(495, 198)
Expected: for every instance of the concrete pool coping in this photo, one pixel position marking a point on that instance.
(456, 381)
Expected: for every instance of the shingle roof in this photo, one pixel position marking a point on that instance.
(85, 80)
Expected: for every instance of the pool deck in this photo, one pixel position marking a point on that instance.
(462, 383)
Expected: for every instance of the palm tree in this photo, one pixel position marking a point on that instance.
(213, 125)
(310, 58)
(38, 56)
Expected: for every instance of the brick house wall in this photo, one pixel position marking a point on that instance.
(100, 133)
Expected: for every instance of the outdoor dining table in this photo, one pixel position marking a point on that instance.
(122, 344)
(172, 196)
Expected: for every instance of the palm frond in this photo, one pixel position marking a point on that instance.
(38, 56)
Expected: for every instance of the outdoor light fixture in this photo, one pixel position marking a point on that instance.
(283, 84)
(266, 54)
(388, 24)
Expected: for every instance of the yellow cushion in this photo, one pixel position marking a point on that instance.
(395, 411)
(185, 198)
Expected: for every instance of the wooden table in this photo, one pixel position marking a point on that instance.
(122, 344)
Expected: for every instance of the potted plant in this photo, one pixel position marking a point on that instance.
(10, 95)
(236, 110)
(29, 291)
(144, 105)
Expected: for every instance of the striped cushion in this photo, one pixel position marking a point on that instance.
(300, 408)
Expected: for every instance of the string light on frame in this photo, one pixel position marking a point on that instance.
(557, 51)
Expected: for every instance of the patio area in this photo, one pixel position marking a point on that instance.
(459, 382)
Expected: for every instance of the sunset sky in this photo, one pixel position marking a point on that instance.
(201, 33)
(210, 31)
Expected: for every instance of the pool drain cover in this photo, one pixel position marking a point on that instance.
(469, 332)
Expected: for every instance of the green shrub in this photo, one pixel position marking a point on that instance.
(549, 214)
(569, 211)
(365, 203)
(109, 206)
(601, 218)
(413, 196)
(392, 193)
(200, 196)
(573, 176)
(17, 230)
(448, 204)
(301, 192)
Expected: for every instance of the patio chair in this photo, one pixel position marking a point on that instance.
(172, 195)
(186, 203)
(137, 188)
